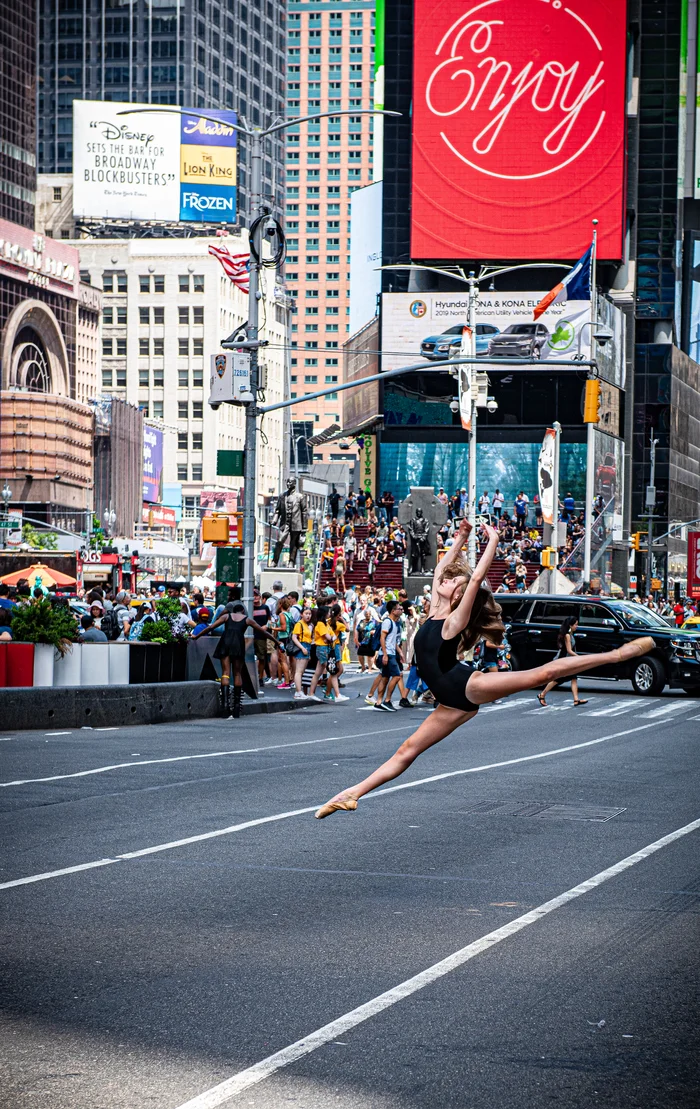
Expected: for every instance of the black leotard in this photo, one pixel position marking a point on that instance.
(439, 668)
(232, 642)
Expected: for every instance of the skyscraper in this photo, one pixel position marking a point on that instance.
(330, 65)
(196, 53)
(17, 106)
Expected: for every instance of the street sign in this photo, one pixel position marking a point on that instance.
(7, 524)
(655, 585)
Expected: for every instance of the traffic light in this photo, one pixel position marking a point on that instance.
(548, 558)
(591, 402)
(215, 528)
(636, 540)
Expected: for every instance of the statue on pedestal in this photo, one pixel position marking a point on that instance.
(290, 518)
(418, 530)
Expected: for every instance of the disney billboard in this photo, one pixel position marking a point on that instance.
(518, 128)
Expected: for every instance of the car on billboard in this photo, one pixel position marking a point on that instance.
(520, 340)
(446, 345)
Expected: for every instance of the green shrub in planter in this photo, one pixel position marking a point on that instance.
(156, 631)
(45, 622)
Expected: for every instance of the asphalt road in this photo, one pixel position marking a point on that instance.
(517, 925)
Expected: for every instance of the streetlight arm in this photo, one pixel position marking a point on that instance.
(259, 131)
(326, 115)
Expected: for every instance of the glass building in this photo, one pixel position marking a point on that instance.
(196, 53)
(17, 123)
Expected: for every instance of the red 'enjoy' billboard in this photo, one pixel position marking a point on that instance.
(518, 128)
(694, 564)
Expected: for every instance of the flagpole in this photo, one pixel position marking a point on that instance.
(590, 433)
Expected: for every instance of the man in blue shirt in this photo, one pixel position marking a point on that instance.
(569, 507)
(5, 601)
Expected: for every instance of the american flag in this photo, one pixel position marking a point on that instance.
(236, 266)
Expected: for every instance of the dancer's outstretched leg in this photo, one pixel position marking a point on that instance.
(441, 722)
(482, 688)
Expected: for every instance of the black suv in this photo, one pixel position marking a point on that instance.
(533, 621)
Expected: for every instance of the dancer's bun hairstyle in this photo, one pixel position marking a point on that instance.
(485, 620)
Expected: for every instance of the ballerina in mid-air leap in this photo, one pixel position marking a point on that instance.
(463, 611)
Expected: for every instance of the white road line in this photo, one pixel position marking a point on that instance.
(617, 708)
(251, 1076)
(667, 710)
(160, 847)
(506, 705)
(57, 733)
(189, 758)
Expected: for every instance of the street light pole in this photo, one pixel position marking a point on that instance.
(590, 434)
(650, 503)
(555, 510)
(250, 498)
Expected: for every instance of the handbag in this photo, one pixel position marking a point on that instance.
(332, 665)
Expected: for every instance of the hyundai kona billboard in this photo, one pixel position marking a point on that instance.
(518, 128)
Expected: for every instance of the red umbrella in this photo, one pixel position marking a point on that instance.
(48, 576)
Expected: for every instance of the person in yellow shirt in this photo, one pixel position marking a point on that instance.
(302, 639)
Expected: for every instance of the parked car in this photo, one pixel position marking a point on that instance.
(533, 622)
(439, 347)
(520, 340)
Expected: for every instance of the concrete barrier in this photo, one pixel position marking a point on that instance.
(116, 706)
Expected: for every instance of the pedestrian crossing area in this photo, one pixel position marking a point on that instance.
(637, 708)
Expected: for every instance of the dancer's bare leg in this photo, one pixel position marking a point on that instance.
(439, 724)
(482, 688)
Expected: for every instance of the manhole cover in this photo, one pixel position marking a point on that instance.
(571, 810)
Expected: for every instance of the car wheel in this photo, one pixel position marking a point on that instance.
(514, 663)
(648, 677)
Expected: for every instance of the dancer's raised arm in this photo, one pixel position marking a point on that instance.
(458, 620)
(460, 538)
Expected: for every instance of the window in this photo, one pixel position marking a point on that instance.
(198, 315)
(143, 407)
(331, 396)
(182, 407)
(183, 315)
(182, 471)
(158, 377)
(159, 347)
(311, 327)
(158, 283)
(330, 378)
(183, 347)
(332, 276)
(107, 315)
(158, 409)
(183, 379)
(332, 311)
(159, 315)
(121, 316)
(310, 379)
(196, 440)
(106, 378)
(144, 378)
(143, 315)
(197, 472)
(57, 192)
(144, 283)
(143, 347)
(190, 507)
(121, 379)
(198, 283)
(182, 438)
(197, 378)
(107, 346)
(121, 347)
(121, 282)
(198, 347)
(197, 410)
(107, 282)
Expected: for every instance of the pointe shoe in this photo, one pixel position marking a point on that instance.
(348, 805)
(635, 648)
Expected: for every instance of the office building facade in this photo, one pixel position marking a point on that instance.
(17, 120)
(330, 61)
(195, 53)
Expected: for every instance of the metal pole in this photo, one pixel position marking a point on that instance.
(650, 511)
(555, 512)
(471, 320)
(251, 462)
(590, 437)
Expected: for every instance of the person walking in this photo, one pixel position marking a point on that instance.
(390, 655)
(302, 639)
(230, 650)
(462, 612)
(566, 642)
(284, 626)
(349, 547)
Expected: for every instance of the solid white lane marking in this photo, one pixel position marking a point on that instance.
(57, 733)
(189, 758)
(251, 1076)
(217, 833)
(113, 729)
(666, 710)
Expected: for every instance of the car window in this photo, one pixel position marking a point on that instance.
(456, 330)
(514, 608)
(486, 329)
(521, 329)
(636, 616)
(552, 612)
(597, 616)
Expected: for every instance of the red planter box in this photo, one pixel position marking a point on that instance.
(16, 664)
